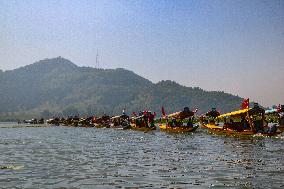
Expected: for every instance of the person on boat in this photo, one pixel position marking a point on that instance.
(190, 122)
(272, 129)
(231, 124)
(245, 124)
(151, 119)
(116, 122)
(203, 119)
(170, 122)
(281, 118)
(258, 126)
(34, 121)
(41, 121)
(124, 122)
(213, 113)
(138, 122)
(174, 122)
(145, 119)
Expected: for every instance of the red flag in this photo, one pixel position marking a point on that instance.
(145, 112)
(245, 104)
(163, 111)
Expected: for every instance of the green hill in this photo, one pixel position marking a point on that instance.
(59, 87)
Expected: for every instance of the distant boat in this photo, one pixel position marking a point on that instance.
(178, 122)
(276, 116)
(143, 122)
(120, 122)
(102, 122)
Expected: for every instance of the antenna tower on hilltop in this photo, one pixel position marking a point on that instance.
(97, 60)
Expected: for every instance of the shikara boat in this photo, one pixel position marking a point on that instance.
(275, 117)
(53, 121)
(85, 122)
(70, 121)
(180, 129)
(178, 122)
(101, 122)
(245, 122)
(143, 122)
(33, 121)
(120, 122)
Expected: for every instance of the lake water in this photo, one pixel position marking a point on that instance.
(68, 157)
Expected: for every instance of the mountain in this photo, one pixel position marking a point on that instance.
(59, 87)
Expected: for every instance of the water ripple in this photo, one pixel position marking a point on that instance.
(63, 157)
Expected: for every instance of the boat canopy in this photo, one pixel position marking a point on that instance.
(181, 114)
(213, 113)
(254, 110)
(174, 114)
(123, 116)
(239, 112)
(115, 117)
(138, 117)
(271, 111)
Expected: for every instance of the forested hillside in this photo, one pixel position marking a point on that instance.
(59, 87)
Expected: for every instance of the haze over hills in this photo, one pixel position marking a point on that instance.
(59, 87)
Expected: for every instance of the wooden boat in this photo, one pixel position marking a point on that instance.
(178, 122)
(276, 116)
(181, 129)
(101, 122)
(144, 122)
(53, 121)
(120, 122)
(98, 125)
(85, 122)
(249, 122)
(143, 128)
(70, 121)
(213, 128)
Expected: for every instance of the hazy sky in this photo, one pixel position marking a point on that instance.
(232, 46)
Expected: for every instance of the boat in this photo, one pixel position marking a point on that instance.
(244, 122)
(275, 117)
(178, 122)
(33, 121)
(180, 129)
(101, 122)
(85, 122)
(207, 121)
(70, 121)
(53, 121)
(120, 122)
(214, 128)
(144, 122)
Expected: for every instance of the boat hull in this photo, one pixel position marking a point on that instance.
(144, 129)
(230, 132)
(101, 125)
(121, 127)
(281, 128)
(182, 129)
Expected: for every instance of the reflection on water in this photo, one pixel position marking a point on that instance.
(64, 157)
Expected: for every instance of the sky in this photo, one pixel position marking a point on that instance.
(232, 46)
